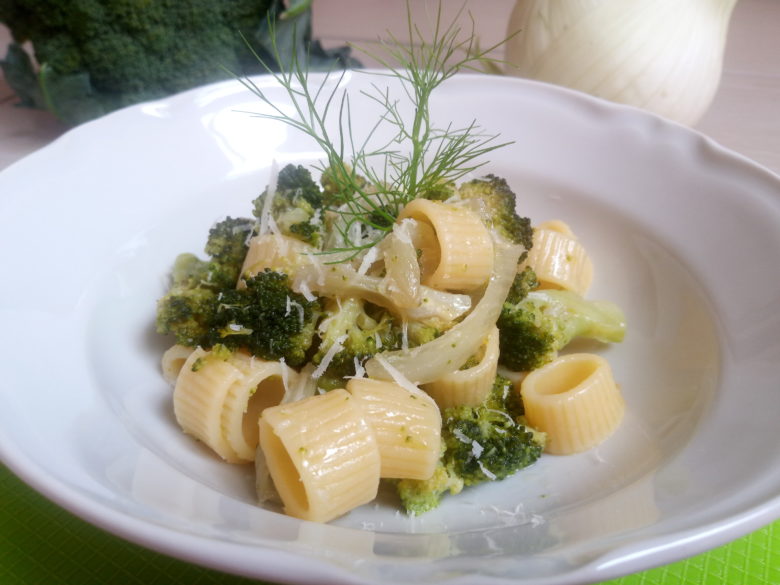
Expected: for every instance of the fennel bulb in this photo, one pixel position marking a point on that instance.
(665, 56)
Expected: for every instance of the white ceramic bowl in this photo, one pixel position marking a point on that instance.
(684, 235)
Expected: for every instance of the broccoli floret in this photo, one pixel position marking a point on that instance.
(186, 314)
(359, 335)
(495, 202)
(533, 330)
(297, 205)
(439, 191)
(227, 245)
(187, 309)
(422, 495)
(483, 443)
(361, 330)
(334, 181)
(295, 181)
(266, 318)
(525, 281)
(487, 442)
(99, 56)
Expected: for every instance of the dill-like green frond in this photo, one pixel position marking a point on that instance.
(375, 177)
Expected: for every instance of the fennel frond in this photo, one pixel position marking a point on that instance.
(375, 175)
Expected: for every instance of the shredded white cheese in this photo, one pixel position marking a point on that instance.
(304, 289)
(285, 375)
(360, 371)
(397, 376)
(489, 474)
(328, 357)
(265, 215)
(298, 307)
(461, 436)
(504, 414)
(368, 259)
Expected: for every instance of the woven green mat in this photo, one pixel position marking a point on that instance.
(41, 543)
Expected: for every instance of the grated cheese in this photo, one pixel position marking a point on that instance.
(328, 357)
(489, 474)
(368, 259)
(285, 375)
(397, 376)
(265, 215)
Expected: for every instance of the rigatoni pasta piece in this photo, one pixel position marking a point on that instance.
(262, 385)
(465, 248)
(200, 392)
(574, 400)
(559, 259)
(173, 360)
(219, 400)
(407, 426)
(469, 386)
(557, 225)
(322, 455)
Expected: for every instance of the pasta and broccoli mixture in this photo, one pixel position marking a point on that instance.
(333, 370)
(390, 318)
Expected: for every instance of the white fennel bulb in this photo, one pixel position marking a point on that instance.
(664, 56)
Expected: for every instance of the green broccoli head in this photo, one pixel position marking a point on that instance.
(295, 182)
(533, 330)
(525, 281)
(99, 56)
(358, 331)
(187, 309)
(334, 181)
(297, 205)
(487, 443)
(496, 203)
(483, 443)
(227, 245)
(422, 495)
(266, 318)
(439, 192)
(186, 314)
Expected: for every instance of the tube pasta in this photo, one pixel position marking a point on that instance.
(559, 259)
(407, 426)
(198, 397)
(470, 386)
(261, 386)
(574, 400)
(173, 360)
(322, 455)
(218, 401)
(465, 248)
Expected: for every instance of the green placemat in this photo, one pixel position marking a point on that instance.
(41, 543)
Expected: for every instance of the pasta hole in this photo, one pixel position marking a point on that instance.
(177, 365)
(567, 376)
(269, 392)
(425, 240)
(283, 471)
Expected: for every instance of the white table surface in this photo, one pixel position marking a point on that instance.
(744, 117)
